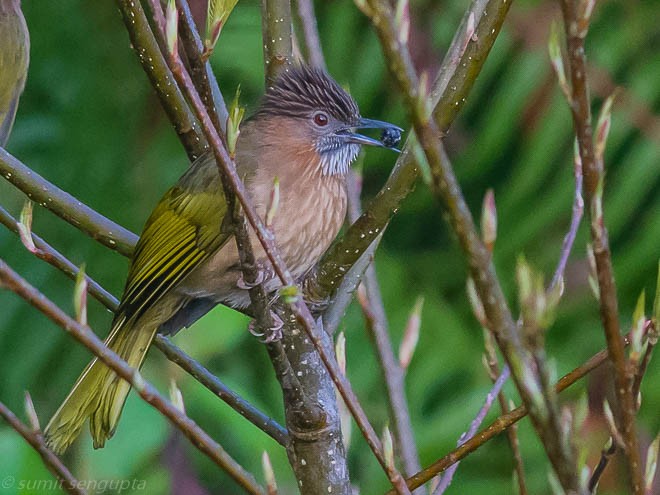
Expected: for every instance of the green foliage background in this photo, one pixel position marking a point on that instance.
(90, 123)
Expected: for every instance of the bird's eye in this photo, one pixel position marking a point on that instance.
(320, 119)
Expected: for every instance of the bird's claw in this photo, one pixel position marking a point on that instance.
(241, 283)
(271, 334)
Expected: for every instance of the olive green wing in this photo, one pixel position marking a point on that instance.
(184, 230)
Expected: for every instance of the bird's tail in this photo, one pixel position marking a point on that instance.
(99, 393)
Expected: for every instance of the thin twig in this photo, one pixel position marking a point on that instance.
(310, 30)
(200, 70)
(576, 26)
(501, 423)
(512, 432)
(53, 257)
(576, 217)
(393, 374)
(83, 334)
(67, 481)
(529, 381)
(211, 382)
(608, 452)
(446, 479)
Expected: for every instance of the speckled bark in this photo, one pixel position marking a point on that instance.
(316, 452)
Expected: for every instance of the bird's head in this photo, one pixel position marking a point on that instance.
(311, 116)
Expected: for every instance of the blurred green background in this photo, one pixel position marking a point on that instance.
(89, 122)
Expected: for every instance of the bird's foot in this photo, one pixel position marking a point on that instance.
(262, 275)
(271, 334)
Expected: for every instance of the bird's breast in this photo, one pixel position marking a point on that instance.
(310, 213)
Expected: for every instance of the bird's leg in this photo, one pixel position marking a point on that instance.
(263, 274)
(273, 332)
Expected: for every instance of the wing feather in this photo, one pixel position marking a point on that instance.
(184, 230)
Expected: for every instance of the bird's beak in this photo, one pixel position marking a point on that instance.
(350, 136)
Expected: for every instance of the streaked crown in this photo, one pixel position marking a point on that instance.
(303, 90)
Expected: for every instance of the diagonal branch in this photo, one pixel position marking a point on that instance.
(66, 206)
(144, 43)
(67, 482)
(83, 334)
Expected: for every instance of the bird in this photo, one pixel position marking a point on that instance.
(14, 62)
(305, 135)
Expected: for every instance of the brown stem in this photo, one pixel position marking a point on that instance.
(83, 334)
(277, 37)
(593, 171)
(67, 482)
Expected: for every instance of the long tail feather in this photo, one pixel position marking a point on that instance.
(99, 393)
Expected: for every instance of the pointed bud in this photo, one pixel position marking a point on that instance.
(234, 119)
(364, 7)
(402, 21)
(557, 60)
(637, 341)
(603, 127)
(217, 15)
(25, 227)
(274, 202)
(531, 295)
(80, 296)
(340, 352)
(269, 474)
(611, 424)
(651, 464)
(475, 303)
(290, 294)
(31, 413)
(489, 220)
(172, 29)
(176, 397)
(585, 9)
(411, 334)
(388, 448)
(138, 382)
(346, 421)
